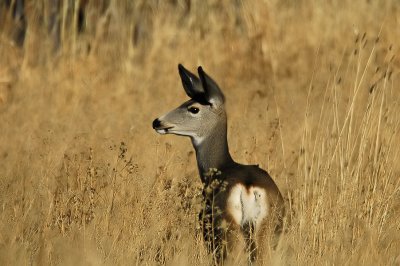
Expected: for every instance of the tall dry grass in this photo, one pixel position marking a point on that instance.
(312, 96)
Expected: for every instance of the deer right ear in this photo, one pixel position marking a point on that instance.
(213, 93)
(192, 85)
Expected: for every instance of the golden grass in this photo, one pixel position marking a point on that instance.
(312, 96)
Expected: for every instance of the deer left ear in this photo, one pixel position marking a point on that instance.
(213, 93)
(192, 85)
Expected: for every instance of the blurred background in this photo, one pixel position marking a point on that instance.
(312, 97)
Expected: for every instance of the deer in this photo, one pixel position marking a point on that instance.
(237, 198)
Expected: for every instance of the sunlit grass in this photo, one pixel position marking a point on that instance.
(312, 97)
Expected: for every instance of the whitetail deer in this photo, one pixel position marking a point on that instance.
(236, 197)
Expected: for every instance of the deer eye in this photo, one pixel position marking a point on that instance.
(193, 110)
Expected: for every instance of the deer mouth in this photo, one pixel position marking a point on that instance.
(159, 127)
(163, 130)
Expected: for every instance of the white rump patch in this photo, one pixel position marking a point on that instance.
(247, 205)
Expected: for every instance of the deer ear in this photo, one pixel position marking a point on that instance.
(192, 85)
(213, 93)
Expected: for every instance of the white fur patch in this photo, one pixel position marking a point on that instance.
(197, 140)
(247, 205)
(161, 131)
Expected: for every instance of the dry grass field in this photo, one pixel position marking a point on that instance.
(313, 97)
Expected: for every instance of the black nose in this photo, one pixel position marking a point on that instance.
(156, 123)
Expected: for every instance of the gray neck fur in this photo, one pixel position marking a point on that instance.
(213, 151)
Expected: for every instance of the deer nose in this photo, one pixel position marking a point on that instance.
(156, 123)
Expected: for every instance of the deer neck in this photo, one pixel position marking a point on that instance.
(212, 151)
